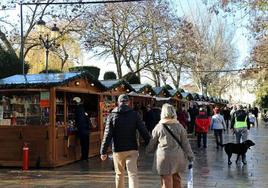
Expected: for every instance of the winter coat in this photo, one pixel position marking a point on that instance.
(240, 115)
(183, 118)
(150, 120)
(169, 157)
(81, 120)
(202, 123)
(226, 114)
(193, 111)
(121, 127)
(217, 122)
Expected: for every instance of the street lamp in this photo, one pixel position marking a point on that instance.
(50, 40)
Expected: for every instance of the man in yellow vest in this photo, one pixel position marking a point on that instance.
(240, 125)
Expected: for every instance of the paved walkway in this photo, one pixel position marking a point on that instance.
(210, 169)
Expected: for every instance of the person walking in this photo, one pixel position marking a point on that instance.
(170, 143)
(121, 127)
(218, 125)
(240, 125)
(150, 119)
(83, 125)
(227, 117)
(202, 124)
(193, 112)
(183, 117)
(255, 111)
(233, 110)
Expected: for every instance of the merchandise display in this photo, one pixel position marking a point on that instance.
(23, 109)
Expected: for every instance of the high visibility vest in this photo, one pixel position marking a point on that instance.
(240, 124)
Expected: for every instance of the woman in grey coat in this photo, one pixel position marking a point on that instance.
(170, 156)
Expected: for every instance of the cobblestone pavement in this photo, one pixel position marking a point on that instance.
(210, 169)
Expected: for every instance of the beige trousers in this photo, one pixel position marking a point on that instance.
(171, 181)
(126, 159)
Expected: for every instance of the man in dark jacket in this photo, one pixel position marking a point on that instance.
(149, 119)
(193, 112)
(226, 116)
(255, 111)
(82, 123)
(121, 127)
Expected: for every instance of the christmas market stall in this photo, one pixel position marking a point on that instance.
(143, 95)
(176, 98)
(108, 102)
(38, 109)
(162, 96)
(144, 89)
(187, 98)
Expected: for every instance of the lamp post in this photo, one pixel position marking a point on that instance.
(21, 39)
(21, 3)
(48, 41)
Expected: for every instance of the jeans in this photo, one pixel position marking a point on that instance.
(241, 133)
(218, 136)
(227, 124)
(126, 159)
(171, 181)
(204, 136)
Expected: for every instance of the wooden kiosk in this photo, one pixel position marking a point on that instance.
(114, 88)
(38, 110)
(143, 96)
(176, 98)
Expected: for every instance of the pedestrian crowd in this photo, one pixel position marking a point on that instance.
(164, 132)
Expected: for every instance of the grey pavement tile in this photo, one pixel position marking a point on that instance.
(210, 169)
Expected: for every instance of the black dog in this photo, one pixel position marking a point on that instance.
(239, 149)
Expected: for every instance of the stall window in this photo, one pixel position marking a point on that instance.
(90, 103)
(20, 109)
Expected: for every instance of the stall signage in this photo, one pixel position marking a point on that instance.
(44, 99)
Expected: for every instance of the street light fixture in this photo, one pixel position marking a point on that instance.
(21, 3)
(50, 40)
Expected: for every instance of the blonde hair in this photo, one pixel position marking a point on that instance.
(168, 112)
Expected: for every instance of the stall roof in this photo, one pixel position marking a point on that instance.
(196, 96)
(162, 98)
(45, 80)
(134, 94)
(140, 88)
(187, 95)
(180, 90)
(111, 84)
(158, 90)
(174, 92)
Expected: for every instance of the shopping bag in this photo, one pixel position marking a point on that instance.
(190, 183)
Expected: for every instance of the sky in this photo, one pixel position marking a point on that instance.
(187, 8)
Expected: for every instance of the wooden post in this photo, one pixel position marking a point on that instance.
(52, 128)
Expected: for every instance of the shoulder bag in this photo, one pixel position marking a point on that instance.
(171, 133)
